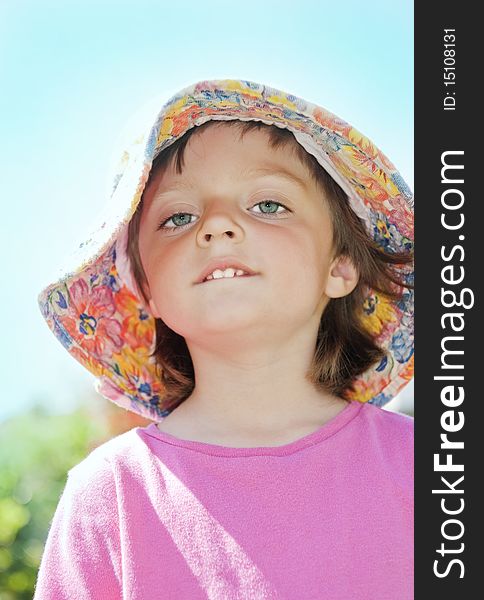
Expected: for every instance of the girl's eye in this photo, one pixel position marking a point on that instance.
(176, 218)
(269, 204)
(181, 220)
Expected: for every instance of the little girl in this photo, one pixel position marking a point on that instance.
(248, 288)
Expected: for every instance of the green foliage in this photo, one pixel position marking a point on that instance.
(36, 452)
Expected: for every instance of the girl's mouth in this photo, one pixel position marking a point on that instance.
(210, 279)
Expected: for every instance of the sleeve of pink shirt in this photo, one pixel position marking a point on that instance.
(81, 557)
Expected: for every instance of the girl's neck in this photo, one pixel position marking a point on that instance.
(189, 422)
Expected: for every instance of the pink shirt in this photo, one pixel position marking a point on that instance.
(147, 515)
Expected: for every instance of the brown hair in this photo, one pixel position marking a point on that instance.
(344, 348)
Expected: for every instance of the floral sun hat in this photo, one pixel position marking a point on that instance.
(94, 307)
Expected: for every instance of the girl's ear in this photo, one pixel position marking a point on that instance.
(153, 309)
(342, 279)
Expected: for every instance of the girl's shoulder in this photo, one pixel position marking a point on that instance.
(391, 436)
(389, 422)
(96, 468)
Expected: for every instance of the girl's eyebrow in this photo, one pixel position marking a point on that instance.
(275, 171)
(278, 172)
(177, 186)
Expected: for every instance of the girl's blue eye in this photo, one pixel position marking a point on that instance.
(269, 202)
(176, 216)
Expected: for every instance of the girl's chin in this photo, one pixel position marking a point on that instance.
(222, 322)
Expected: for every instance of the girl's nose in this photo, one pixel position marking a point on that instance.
(219, 222)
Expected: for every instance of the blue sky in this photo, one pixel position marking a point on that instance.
(75, 73)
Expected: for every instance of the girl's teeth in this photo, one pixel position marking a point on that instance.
(219, 274)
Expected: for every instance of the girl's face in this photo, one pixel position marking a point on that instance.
(245, 200)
